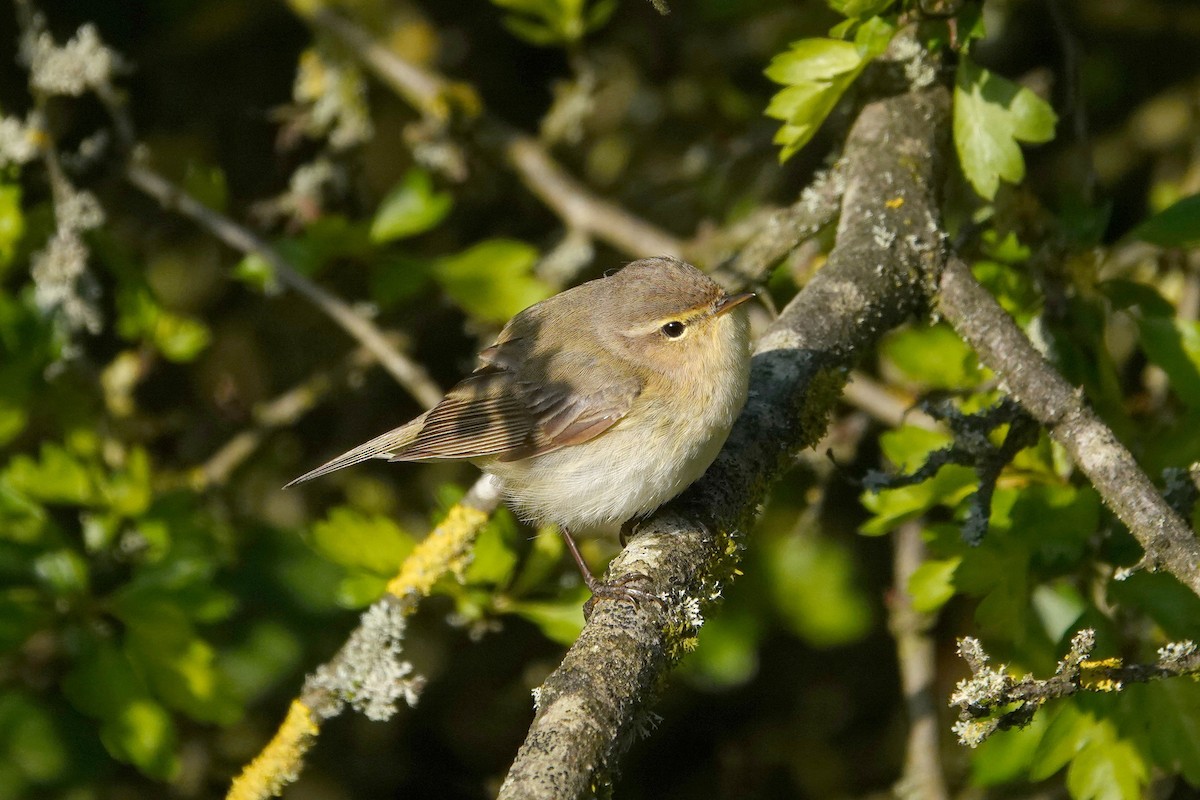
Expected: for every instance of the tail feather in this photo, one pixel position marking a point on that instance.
(390, 445)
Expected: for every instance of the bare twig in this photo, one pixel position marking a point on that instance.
(276, 413)
(428, 92)
(923, 777)
(409, 374)
(1168, 541)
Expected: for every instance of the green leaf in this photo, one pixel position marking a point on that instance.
(932, 583)
(30, 742)
(935, 357)
(411, 207)
(1172, 606)
(365, 542)
(140, 316)
(180, 666)
(133, 727)
(257, 273)
(992, 114)
(874, 36)
(811, 60)
(1167, 713)
(1067, 733)
(492, 557)
(1107, 768)
(860, 8)
(12, 223)
(816, 73)
(64, 572)
(560, 621)
(1178, 225)
(1174, 345)
(1127, 294)
(493, 280)
(207, 184)
(396, 279)
(727, 654)
(266, 657)
(57, 477)
(1006, 755)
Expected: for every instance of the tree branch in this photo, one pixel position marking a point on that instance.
(992, 700)
(977, 317)
(409, 374)
(368, 672)
(922, 778)
(590, 707)
(429, 93)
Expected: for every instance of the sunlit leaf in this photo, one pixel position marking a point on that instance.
(12, 222)
(358, 541)
(412, 207)
(935, 357)
(991, 115)
(816, 73)
(815, 586)
(492, 280)
(560, 621)
(932, 583)
(57, 477)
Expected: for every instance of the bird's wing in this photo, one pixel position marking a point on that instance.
(492, 413)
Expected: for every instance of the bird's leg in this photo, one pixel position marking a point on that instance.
(628, 528)
(617, 590)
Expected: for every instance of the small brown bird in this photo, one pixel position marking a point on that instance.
(594, 406)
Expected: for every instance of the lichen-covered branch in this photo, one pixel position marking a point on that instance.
(1167, 540)
(369, 672)
(993, 700)
(783, 230)
(596, 701)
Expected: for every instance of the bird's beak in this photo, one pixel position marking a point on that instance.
(730, 302)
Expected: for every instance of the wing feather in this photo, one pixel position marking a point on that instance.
(493, 414)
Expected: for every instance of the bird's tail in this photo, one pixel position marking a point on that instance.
(389, 445)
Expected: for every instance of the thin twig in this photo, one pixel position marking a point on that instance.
(409, 374)
(430, 93)
(923, 778)
(279, 412)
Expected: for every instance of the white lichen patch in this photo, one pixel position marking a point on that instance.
(369, 673)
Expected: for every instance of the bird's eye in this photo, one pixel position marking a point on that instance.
(673, 329)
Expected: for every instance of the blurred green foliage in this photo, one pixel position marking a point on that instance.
(161, 599)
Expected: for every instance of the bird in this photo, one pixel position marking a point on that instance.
(594, 407)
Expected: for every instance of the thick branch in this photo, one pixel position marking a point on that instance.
(591, 706)
(1168, 541)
